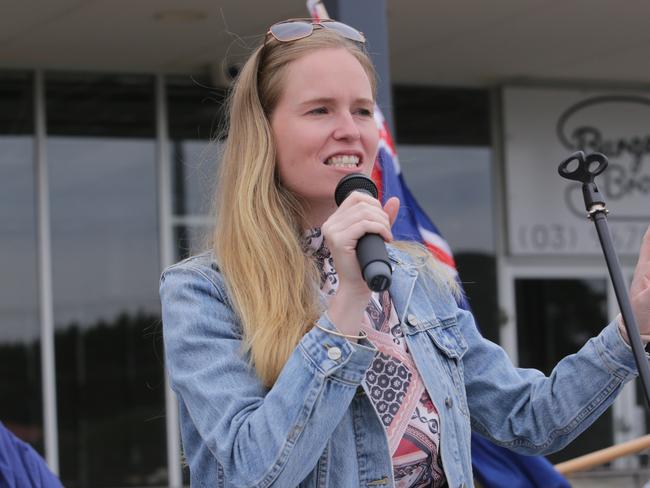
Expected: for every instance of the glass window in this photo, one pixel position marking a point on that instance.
(106, 264)
(20, 338)
(555, 317)
(453, 185)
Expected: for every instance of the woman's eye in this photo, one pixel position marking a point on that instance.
(365, 112)
(318, 111)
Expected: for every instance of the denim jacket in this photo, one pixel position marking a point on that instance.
(316, 427)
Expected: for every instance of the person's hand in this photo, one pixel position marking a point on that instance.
(359, 214)
(640, 291)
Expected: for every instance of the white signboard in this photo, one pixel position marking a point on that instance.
(543, 127)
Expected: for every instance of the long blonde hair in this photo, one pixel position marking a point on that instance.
(272, 284)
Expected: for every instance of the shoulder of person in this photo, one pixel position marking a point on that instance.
(399, 256)
(202, 266)
(438, 277)
(193, 289)
(409, 254)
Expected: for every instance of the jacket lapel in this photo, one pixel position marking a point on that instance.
(402, 284)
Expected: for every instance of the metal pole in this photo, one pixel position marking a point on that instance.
(46, 305)
(623, 299)
(175, 479)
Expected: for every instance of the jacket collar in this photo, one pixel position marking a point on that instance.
(403, 282)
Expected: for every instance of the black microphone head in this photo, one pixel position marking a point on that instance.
(352, 182)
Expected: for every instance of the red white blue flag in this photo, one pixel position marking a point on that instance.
(494, 466)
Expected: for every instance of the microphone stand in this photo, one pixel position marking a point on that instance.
(587, 169)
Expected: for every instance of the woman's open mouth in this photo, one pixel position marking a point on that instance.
(343, 161)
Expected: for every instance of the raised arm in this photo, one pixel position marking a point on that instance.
(526, 411)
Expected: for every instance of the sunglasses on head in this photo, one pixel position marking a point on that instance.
(294, 29)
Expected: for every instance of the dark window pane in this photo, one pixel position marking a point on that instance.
(20, 364)
(106, 264)
(555, 318)
(442, 116)
(16, 100)
(100, 105)
(195, 108)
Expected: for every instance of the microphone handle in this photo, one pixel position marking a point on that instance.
(373, 261)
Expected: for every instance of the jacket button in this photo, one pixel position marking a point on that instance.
(334, 353)
(412, 319)
(449, 402)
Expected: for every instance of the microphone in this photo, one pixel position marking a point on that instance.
(371, 248)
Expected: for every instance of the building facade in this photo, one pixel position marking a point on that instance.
(107, 170)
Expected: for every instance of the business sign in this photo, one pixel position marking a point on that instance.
(545, 213)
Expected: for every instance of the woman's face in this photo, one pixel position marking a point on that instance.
(323, 127)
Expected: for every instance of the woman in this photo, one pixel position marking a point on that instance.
(288, 370)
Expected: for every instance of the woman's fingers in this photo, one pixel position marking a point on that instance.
(347, 233)
(358, 214)
(641, 307)
(392, 208)
(358, 207)
(356, 197)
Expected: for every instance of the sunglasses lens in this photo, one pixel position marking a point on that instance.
(345, 31)
(291, 31)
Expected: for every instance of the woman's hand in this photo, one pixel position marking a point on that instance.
(640, 291)
(359, 214)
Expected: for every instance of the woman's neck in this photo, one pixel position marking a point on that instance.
(316, 213)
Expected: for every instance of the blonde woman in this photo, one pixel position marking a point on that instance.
(289, 371)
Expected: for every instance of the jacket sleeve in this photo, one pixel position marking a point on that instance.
(524, 410)
(262, 437)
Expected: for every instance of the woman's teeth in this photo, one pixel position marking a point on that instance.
(343, 161)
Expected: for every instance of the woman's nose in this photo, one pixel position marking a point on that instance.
(347, 127)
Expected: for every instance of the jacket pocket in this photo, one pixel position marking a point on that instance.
(447, 339)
